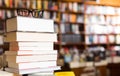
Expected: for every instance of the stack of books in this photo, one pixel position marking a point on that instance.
(31, 45)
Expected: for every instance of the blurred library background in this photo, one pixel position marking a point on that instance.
(88, 32)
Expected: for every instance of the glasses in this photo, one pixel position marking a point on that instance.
(34, 12)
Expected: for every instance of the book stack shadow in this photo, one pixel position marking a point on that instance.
(31, 48)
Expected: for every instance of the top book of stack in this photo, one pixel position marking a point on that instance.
(20, 23)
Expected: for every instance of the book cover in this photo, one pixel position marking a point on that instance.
(30, 52)
(20, 23)
(27, 48)
(47, 73)
(30, 43)
(30, 36)
(30, 65)
(30, 58)
(33, 70)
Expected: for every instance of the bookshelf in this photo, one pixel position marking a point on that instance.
(102, 26)
(79, 29)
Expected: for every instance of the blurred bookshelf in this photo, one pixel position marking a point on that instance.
(86, 29)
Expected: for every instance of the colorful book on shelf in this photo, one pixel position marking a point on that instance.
(117, 39)
(16, 3)
(33, 4)
(30, 65)
(102, 39)
(31, 52)
(73, 18)
(111, 38)
(45, 4)
(70, 6)
(33, 70)
(75, 7)
(1, 39)
(20, 23)
(6, 3)
(67, 28)
(71, 38)
(30, 36)
(39, 4)
(30, 58)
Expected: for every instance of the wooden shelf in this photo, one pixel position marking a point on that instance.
(72, 12)
(101, 3)
(50, 10)
(103, 14)
(73, 23)
(96, 44)
(73, 44)
(78, 1)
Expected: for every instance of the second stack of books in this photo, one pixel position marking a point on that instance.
(31, 45)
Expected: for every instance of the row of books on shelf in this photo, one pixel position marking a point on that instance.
(70, 28)
(89, 28)
(16, 3)
(49, 4)
(71, 7)
(102, 29)
(43, 4)
(115, 48)
(102, 39)
(101, 19)
(66, 17)
(11, 13)
(39, 4)
(51, 15)
(7, 14)
(77, 58)
(107, 10)
(71, 38)
(47, 15)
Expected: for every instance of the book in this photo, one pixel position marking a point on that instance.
(30, 65)
(1, 40)
(33, 4)
(73, 18)
(75, 7)
(31, 52)
(48, 73)
(14, 48)
(21, 23)
(40, 44)
(5, 73)
(117, 39)
(30, 58)
(39, 4)
(30, 36)
(33, 70)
